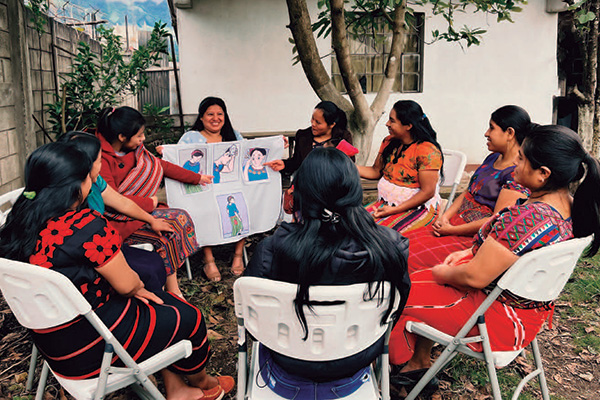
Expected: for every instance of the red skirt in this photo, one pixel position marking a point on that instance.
(447, 309)
(427, 250)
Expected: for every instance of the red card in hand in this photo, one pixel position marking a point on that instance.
(347, 148)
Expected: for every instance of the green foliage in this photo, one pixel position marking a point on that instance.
(39, 8)
(583, 15)
(98, 81)
(367, 16)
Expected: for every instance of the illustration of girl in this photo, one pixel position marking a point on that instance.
(234, 217)
(224, 163)
(254, 170)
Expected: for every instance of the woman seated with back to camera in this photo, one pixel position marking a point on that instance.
(334, 242)
(51, 226)
(491, 188)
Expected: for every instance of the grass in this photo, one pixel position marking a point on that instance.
(581, 296)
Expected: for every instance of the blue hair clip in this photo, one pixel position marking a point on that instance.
(424, 116)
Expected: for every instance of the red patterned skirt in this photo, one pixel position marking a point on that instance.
(405, 221)
(173, 247)
(447, 309)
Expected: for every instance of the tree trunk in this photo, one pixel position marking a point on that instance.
(315, 72)
(362, 118)
(588, 105)
(585, 115)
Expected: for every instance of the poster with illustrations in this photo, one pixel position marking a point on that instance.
(196, 162)
(244, 197)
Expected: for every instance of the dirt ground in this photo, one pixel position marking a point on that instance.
(570, 375)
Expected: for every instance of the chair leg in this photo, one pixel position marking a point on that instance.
(32, 364)
(188, 268)
(39, 394)
(537, 357)
(245, 257)
(385, 375)
(489, 358)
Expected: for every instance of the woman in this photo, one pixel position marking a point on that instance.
(132, 171)
(491, 189)
(336, 242)
(49, 227)
(550, 159)
(328, 127)
(214, 126)
(409, 164)
(254, 170)
(148, 265)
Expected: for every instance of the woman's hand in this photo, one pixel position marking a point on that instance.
(453, 258)
(160, 225)
(442, 227)
(275, 165)
(159, 150)
(154, 201)
(206, 179)
(146, 296)
(384, 211)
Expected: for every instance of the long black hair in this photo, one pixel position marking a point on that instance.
(560, 150)
(53, 176)
(410, 112)
(125, 121)
(328, 196)
(515, 117)
(227, 130)
(334, 115)
(83, 141)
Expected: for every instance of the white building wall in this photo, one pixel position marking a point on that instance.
(239, 50)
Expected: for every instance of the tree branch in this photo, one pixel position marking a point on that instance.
(339, 39)
(315, 72)
(391, 70)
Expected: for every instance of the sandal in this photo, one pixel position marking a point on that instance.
(215, 393)
(212, 272)
(410, 378)
(226, 382)
(237, 268)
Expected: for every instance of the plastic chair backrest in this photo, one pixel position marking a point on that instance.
(541, 274)
(454, 165)
(7, 200)
(345, 326)
(39, 297)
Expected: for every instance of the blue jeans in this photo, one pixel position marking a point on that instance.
(293, 387)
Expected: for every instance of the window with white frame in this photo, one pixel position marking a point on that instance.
(370, 53)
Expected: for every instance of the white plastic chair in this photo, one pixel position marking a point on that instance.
(539, 275)
(265, 309)
(454, 165)
(41, 298)
(7, 200)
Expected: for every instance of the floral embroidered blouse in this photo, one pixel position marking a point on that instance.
(75, 244)
(402, 167)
